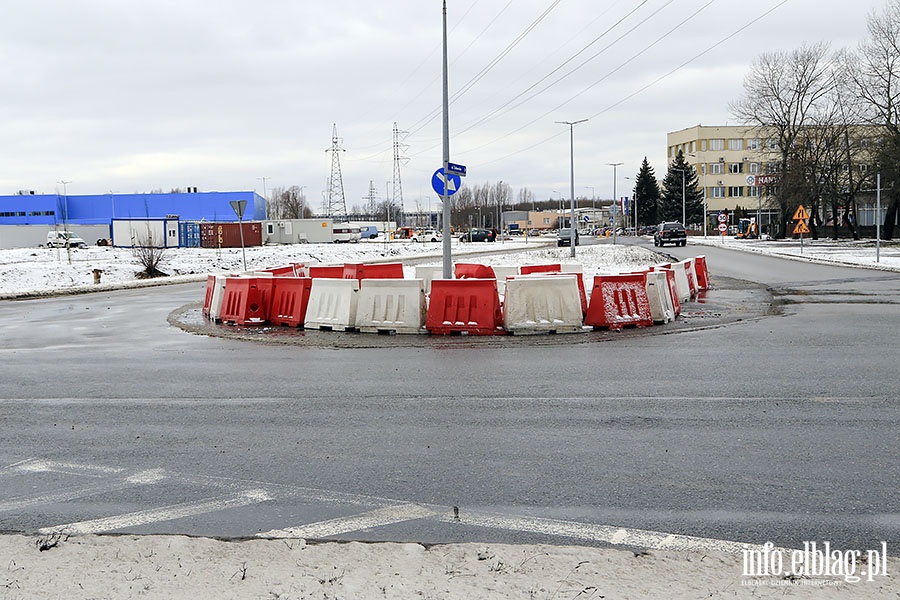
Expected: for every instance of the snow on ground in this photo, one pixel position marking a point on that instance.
(176, 567)
(37, 271)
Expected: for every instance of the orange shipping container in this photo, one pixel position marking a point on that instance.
(228, 235)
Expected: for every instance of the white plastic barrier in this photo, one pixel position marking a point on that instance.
(572, 268)
(690, 269)
(542, 304)
(215, 304)
(661, 307)
(332, 304)
(682, 286)
(391, 306)
(428, 272)
(501, 273)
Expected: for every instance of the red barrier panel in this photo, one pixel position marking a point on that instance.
(336, 272)
(464, 307)
(287, 271)
(473, 271)
(529, 269)
(702, 272)
(290, 297)
(619, 300)
(246, 300)
(207, 297)
(373, 271)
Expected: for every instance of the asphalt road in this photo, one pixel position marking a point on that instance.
(775, 428)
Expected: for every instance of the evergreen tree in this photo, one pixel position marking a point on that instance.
(673, 203)
(646, 195)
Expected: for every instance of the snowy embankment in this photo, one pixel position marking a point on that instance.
(44, 271)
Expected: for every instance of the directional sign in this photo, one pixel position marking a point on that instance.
(456, 169)
(801, 214)
(801, 228)
(439, 181)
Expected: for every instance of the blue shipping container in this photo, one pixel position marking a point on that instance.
(189, 234)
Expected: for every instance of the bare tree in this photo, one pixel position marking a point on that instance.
(783, 93)
(288, 203)
(874, 70)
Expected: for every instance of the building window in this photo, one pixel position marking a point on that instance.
(736, 191)
(753, 191)
(702, 145)
(717, 191)
(546, 220)
(754, 168)
(735, 144)
(736, 168)
(772, 144)
(693, 147)
(716, 168)
(717, 144)
(754, 144)
(771, 168)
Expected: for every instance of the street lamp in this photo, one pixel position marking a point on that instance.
(615, 197)
(683, 202)
(572, 125)
(66, 218)
(705, 206)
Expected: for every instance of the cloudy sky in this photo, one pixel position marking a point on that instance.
(157, 94)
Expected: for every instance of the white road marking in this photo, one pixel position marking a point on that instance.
(167, 513)
(142, 478)
(50, 466)
(375, 518)
(640, 538)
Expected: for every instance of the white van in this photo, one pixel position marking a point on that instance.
(61, 239)
(346, 233)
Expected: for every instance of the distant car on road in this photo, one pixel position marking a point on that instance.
(62, 239)
(478, 235)
(670, 233)
(429, 235)
(564, 237)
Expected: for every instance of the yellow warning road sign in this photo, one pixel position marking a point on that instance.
(801, 227)
(801, 214)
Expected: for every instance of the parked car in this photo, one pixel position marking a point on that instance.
(345, 233)
(61, 239)
(478, 235)
(368, 232)
(428, 235)
(670, 233)
(564, 237)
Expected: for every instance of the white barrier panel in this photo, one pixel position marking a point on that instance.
(542, 304)
(661, 307)
(501, 273)
(215, 303)
(332, 304)
(391, 306)
(428, 272)
(572, 268)
(682, 286)
(690, 269)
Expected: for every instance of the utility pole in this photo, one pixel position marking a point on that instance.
(572, 232)
(336, 204)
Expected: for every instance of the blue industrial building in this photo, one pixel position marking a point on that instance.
(57, 209)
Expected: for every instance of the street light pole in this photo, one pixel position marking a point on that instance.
(615, 197)
(572, 232)
(66, 218)
(683, 202)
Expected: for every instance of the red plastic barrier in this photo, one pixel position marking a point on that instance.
(473, 271)
(529, 269)
(464, 307)
(373, 271)
(287, 271)
(619, 300)
(702, 272)
(207, 297)
(246, 300)
(290, 297)
(336, 272)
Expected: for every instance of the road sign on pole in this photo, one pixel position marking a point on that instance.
(800, 214)
(456, 169)
(441, 182)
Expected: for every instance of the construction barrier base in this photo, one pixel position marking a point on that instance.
(464, 307)
(619, 301)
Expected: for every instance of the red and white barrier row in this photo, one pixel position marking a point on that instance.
(376, 298)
